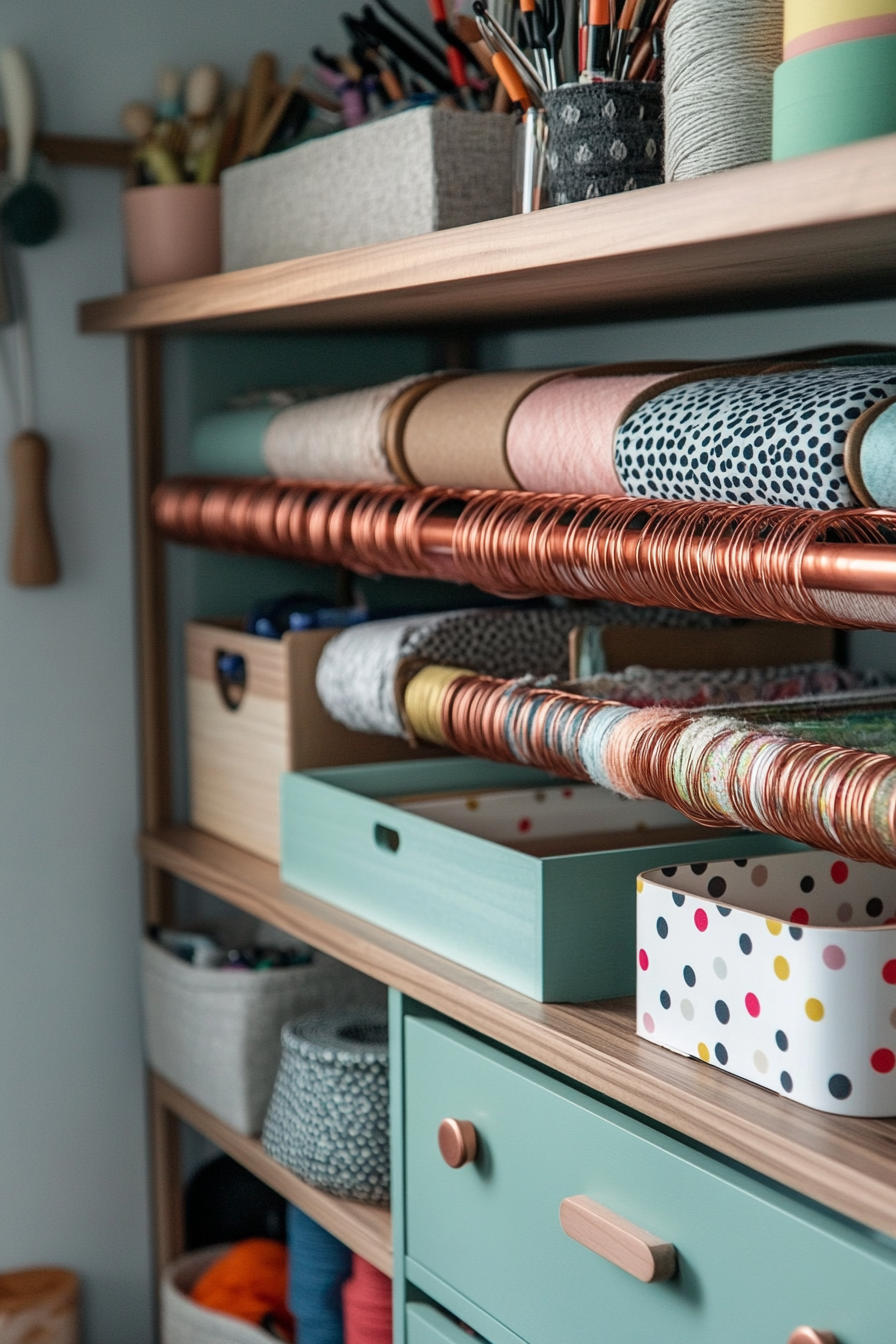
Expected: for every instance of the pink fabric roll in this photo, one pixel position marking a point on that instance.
(560, 437)
(849, 30)
(367, 1305)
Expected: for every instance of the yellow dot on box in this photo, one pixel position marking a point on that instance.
(814, 1009)
(782, 968)
(472, 804)
(639, 884)
(774, 926)
(703, 1052)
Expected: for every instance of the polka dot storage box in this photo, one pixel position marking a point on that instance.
(781, 970)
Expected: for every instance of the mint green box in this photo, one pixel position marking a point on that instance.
(559, 929)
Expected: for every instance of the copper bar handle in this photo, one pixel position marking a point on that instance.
(616, 1239)
(458, 1142)
(804, 1334)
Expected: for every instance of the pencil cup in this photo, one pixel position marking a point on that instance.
(603, 139)
(530, 176)
(172, 232)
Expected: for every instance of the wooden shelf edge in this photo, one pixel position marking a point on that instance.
(847, 1165)
(820, 225)
(365, 1229)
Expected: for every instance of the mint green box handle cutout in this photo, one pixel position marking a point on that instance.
(834, 96)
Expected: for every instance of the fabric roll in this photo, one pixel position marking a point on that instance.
(560, 436)
(328, 1120)
(335, 438)
(318, 1267)
(457, 434)
(641, 687)
(231, 443)
(367, 1305)
(358, 671)
(770, 438)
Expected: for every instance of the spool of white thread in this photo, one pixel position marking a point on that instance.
(720, 58)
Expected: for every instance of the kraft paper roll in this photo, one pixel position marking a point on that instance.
(834, 96)
(804, 19)
(457, 434)
(560, 436)
(395, 418)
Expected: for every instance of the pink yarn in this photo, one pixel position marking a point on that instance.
(560, 437)
(367, 1305)
(849, 30)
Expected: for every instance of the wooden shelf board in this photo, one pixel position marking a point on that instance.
(848, 1165)
(823, 226)
(365, 1229)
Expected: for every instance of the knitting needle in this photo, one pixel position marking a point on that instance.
(419, 37)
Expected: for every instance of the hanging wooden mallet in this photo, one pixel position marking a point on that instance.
(33, 560)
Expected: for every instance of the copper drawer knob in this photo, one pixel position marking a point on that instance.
(804, 1334)
(457, 1142)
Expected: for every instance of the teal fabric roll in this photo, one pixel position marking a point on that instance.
(834, 96)
(877, 459)
(229, 443)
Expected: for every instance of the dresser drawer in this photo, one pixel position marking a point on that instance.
(752, 1263)
(428, 1325)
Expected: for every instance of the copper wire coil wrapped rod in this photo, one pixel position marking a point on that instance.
(738, 560)
(829, 797)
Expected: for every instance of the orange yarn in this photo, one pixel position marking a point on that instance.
(249, 1281)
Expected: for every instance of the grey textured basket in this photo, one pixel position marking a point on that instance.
(603, 139)
(328, 1120)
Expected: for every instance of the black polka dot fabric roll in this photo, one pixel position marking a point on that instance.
(771, 438)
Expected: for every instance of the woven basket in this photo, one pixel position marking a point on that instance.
(215, 1033)
(328, 1120)
(185, 1321)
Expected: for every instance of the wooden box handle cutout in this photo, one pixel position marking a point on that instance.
(230, 675)
(804, 1334)
(617, 1240)
(458, 1142)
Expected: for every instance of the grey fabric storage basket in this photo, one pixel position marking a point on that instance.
(421, 170)
(184, 1321)
(603, 139)
(215, 1033)
(328, 1120)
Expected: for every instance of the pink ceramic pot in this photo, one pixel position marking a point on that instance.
(172, 232)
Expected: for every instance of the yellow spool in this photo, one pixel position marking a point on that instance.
(813, 23)
(423, 698)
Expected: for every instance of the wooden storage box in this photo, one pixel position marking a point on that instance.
(556, 924)
(240, 742)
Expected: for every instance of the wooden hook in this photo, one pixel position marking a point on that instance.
(33, 561)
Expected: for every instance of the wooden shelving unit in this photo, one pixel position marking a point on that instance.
(849, 1165)
(818, 229)
(367, 1230)
(814, 228)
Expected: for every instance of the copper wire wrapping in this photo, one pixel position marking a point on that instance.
(829, 797)
(739, 560)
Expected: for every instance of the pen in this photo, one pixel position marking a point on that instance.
(419, 37)
(597, 50)
(412, 58)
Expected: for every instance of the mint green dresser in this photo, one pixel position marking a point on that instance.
(484, 1240)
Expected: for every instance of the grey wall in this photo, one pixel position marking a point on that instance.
(72, 1142)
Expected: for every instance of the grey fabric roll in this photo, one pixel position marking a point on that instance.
(603, 139)
(328, 1120)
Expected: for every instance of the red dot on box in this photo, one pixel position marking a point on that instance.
(643, 960)
(883, 1061)
(524, 825)
(799, 916)
(889, 972)
(752, 1004)
(701, 920)
(839, 871)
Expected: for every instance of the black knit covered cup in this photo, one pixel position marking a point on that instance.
(604, 138)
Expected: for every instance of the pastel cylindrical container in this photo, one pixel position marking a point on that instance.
(833, 96)
(172, 232)
(781, 970)
(809, 24)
